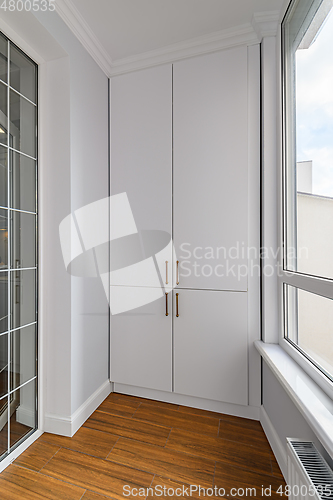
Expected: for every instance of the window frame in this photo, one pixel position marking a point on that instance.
(314, 284)
(25, 439)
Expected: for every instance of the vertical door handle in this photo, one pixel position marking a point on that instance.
(177, 277)
(166, 272)
(17, 265)
(166, 305)
(177, 305)
(17, 294)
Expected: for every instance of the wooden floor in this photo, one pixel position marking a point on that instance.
(137, 443)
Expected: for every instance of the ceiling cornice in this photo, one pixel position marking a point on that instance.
(77, 24)
(231, 37)
(263, 24)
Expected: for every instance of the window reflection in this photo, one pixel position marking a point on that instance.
(23, 182)
(3, 58)
(22, 124)
(23, 356)
(3, 176)
(22, 74)
(3, 301)
(23, 240)
(23, 298)
(3, 114)
(3, 239)
(3, 365)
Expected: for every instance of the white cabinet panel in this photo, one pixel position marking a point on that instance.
(141, 337)
(210, 339)
(141, 167)
(210, 170)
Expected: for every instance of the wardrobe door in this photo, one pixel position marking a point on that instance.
(141, 337)
(210, 338)
(210, 170)
(141, 177)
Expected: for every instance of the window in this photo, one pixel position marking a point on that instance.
(18, 245)
(306, 277)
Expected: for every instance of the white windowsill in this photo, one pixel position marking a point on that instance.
(315, 406)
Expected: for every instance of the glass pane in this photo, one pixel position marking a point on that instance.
(3, 239)
(23, 240)
(3, 425)
(23, 419)
(3, 176)
(23, 356)
(310, 326)
(3, 58)
(23, 298)
(3, 114)
(3, 405)
(22, 125)
(310, 129)
(23, 182)
(3, 365)
(3, 301)
(22, 74)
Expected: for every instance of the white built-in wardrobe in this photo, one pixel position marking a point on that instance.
(185, 192)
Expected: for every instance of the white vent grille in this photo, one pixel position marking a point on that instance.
(309, 475)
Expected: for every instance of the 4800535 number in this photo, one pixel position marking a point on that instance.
(28, 5)
(324, 490)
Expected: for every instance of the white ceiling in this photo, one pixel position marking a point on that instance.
(130, 27)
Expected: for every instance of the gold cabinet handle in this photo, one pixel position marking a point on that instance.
(177, 305)
(166, 305)
(166, 272)
(177, 277)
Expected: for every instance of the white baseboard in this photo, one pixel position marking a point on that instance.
(20, 449)
(25, 416)
(251, 412)
(275, 442)
(67, 426)
(55, 424)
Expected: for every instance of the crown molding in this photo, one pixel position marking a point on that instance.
(76, 23)
(231, 37)
(262, 24)
(265, 23)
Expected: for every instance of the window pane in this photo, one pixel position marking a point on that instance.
(23, 182)
(22, 125)
(3, 114)
(309, 119)
(3, 301)
(23, 240)
(3, 176)
(310, 326)
(3, 365)
(22, 74)
(23, 297)
(23, 420)
(23, 356)
(3, 239)
(3, 425)
(3, 58)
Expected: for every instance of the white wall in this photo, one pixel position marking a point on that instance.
(284, 416)
(87, 305)
(304, 176)
(54, 204)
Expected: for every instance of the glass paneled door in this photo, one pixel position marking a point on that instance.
(18, 246)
